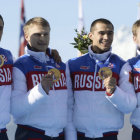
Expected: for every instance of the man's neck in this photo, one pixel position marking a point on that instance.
(32, 48)
(138, 48)
(97, 50)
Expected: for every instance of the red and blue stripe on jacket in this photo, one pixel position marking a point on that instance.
(34, 70)
(82, 70)
(6, 68)
(135, 65)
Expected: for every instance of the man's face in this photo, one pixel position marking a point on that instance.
(1, 29)
(137, 37)
(38, 37)
(102, 37)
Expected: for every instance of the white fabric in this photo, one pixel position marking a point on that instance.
(5, 94)
(35, 107)
(122, 101)
(135, 117)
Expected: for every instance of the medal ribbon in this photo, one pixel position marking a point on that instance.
(102, 64)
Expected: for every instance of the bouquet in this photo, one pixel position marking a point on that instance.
(82, 41)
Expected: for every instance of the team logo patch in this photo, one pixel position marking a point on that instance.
(4, 57)
(1, 60)
(111, 65)
(84, 67)
(58, 66)
(37, 67)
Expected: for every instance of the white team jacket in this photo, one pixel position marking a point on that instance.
(135, 117)
(5, 86)
(93, 112)
(5, 94)
(35, 107)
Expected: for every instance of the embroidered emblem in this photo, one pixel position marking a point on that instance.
(37, 67)
(110, 65)
(1, 60)
(84, 67)
(58, 66)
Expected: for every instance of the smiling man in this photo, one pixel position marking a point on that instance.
(101, 35)
(39, 101)
(99, 95)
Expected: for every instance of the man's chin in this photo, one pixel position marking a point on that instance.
(106, 48)
(42, 48)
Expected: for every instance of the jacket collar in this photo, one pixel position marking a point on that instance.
(138, 51)
(100, 57)
(40, 56)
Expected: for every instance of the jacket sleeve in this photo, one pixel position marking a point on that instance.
(124, 98)
(22, 101)
(70, 131)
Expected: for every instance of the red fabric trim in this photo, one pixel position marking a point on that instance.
(108, 94)
(32, 129)
(3, 130)
(110, 134)
(135, 128)
(34, 139)
(104, 134)
(37, 130)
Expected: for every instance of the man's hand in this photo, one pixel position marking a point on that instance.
(47, 82)
(110, 84)
(56, 56)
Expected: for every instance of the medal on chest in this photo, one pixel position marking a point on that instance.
(56, 74)
(1, 61)
(105, 72)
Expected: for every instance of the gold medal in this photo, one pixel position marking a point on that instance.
(1, 61)
(105, 72)
(57, 74)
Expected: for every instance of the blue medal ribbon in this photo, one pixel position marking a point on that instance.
(102, 64)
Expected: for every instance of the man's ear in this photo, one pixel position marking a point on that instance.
(26, 36)
(134, 38)
(90, 35)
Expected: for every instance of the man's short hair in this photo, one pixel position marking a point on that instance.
(100, 20)
(36, 21)
(2, 19)
(135, 27)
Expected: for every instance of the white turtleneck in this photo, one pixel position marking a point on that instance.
(100, 57)
(40, 56)
(138, 52)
